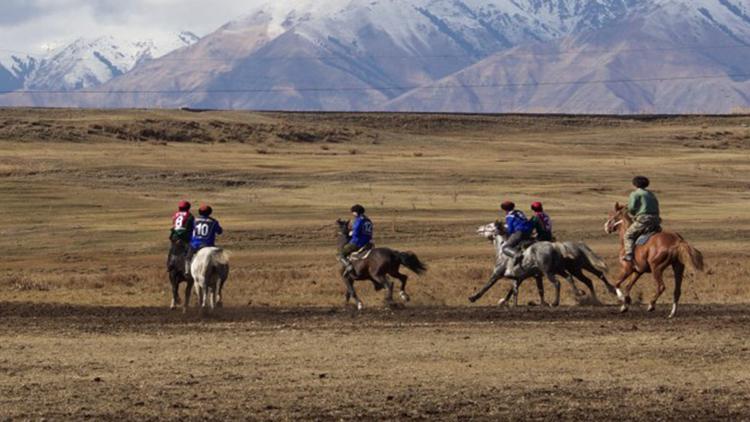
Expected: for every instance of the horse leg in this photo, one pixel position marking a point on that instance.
(553, 280)
(220, 296)
(679, 272)
(351, 293)
(626, 271)
(509, 295)
(188, 293)
(658, 274)
(403, 278)
(497, 274)
(589, 284)
(626, 301)
(540, 289)
(578, 292)
(175, 290)
(383, 280)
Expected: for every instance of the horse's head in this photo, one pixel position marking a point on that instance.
(617, 217)
(343, 227)
(491, 230)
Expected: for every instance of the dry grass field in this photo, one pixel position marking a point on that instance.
(86, 198)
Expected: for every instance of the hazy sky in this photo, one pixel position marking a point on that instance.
(33, 25)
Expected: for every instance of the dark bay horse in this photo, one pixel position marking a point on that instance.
(178, 272)
(377, 266)
(661, 251)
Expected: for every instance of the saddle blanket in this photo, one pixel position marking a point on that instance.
(361, 254)
(645, 237)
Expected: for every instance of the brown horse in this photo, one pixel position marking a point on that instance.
(376, 266)
(662, 250)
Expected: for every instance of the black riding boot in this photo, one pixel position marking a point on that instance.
(348, 267)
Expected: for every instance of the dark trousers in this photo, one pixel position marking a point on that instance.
(511, 246)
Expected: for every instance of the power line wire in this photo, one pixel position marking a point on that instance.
(394, 88)
(507, 52)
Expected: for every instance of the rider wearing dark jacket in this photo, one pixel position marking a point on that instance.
(182, 228)
(204, 233)
(361, 236)
(541, 223)
(517, 227)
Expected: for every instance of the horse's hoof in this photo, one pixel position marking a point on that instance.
(360, 306)
(674, 311)
(405, 297)
(555, 304)
(623, 309)
(502, 302)
(620, 295)
(544, 303)
(473, 299)
(651, 307)
(628, 300)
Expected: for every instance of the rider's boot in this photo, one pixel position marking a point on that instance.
(348, 267)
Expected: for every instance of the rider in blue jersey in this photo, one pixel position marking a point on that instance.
(205, 230)
(518, 228)
(361, 236)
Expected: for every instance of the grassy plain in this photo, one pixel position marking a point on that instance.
(86, 198)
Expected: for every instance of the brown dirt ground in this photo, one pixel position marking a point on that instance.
(86, 198)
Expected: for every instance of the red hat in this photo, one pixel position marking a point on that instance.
(508, 206)
(205, 210)
(183, 206)
(537, 206)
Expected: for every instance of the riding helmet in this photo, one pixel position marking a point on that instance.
(508, 206)
(205, 210)
(184, 206)
(641, 182)
(359, 209)
(537, 206)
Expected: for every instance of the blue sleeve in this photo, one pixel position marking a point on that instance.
(219, 230)
(509, 224)
(356, 227)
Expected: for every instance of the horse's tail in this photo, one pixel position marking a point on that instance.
(689, 256)
(412, 262)
(595, 260)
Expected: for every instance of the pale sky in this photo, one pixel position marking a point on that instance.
(34, 25)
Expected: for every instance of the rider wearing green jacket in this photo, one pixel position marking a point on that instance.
(644, 208)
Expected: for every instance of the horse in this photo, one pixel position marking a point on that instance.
(178, 272)
(567, 259)
(377, 265)
(210, 270)
(661, 250)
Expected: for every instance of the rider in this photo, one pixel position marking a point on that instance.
(541, 222)
(518, 229)
(204, 232)
(361, 236)
(182, 226)
(644, 208)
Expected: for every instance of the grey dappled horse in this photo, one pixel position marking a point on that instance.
(377, 265)
(567, 259)
(177, 272)
(210, 270)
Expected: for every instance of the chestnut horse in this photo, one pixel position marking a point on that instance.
(662, 250)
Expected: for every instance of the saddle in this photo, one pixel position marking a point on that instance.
(645, 237)
(362, 254)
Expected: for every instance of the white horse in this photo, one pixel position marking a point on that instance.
(210, 270)
(566, 259)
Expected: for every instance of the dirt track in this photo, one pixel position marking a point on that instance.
(59, 361)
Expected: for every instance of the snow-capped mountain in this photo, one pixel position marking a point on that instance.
(88, 63)
(444, 55)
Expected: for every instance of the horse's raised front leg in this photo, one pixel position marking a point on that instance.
(497, 274)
